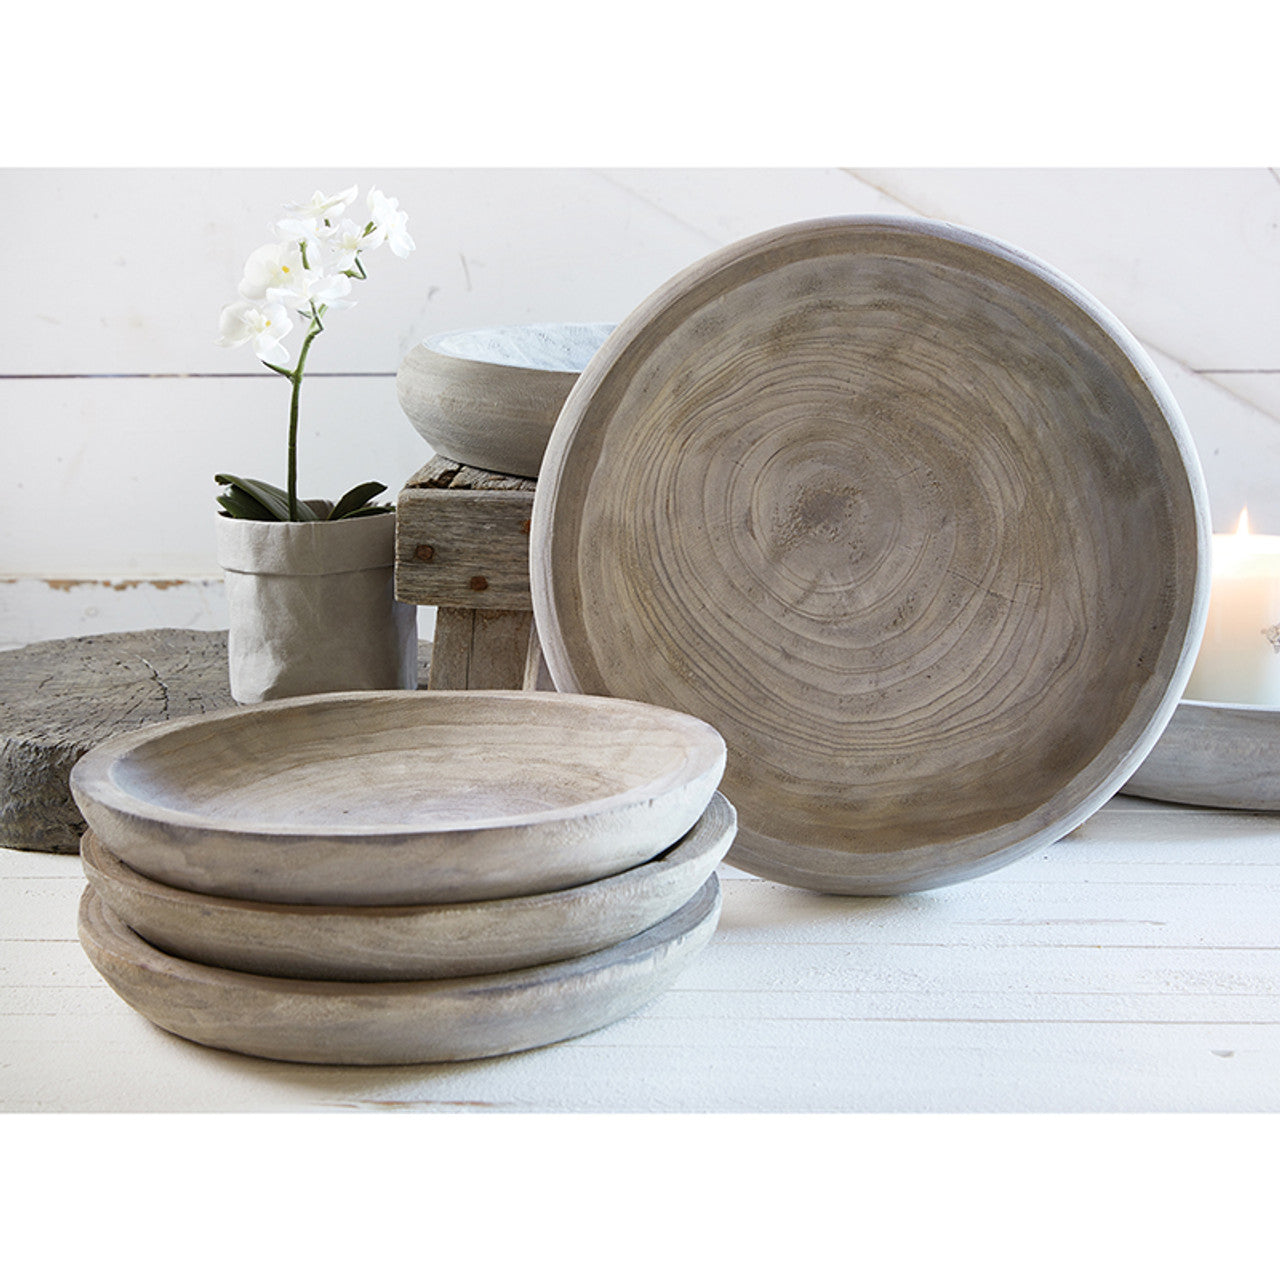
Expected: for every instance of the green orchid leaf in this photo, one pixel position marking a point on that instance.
(241, 506)
(274, 500)
(368, 511)
(355, 499)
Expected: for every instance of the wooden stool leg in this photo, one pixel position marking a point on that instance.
(480, 649)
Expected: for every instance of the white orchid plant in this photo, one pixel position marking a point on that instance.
(307, 271)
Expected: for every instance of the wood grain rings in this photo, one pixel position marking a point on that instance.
(904, 514)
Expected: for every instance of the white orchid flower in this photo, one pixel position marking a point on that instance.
(347, 240)
(311, 221)
(245, 321)
(273, 267)
(390, 223)
(325, 290)
(277, 273)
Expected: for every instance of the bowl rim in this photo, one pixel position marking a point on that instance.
(93, 777)
(431, 343)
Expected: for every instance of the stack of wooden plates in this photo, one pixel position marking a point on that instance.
(401, 877)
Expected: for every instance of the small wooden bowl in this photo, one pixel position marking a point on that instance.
(489, 397)
(448, 940)
(367, 1023)
(400, 798)
(1220, 754)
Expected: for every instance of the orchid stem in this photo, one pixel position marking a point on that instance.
(296, 379)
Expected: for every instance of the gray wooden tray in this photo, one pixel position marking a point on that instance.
(367, 1023)
(1219, 754)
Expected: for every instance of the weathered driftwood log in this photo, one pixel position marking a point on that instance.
(61, 697)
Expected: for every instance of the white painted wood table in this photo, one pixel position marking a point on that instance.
(1134, 966)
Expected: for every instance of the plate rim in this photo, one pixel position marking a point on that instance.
(91, 777)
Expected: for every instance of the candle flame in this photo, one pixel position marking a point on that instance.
(1242, 529)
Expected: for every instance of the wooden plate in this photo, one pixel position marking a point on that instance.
(379, 799)
(907, 516)
(489, 397)
(1220, 754)
(448, 940)
(365, 1023)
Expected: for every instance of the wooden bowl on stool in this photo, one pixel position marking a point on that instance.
(489, 397)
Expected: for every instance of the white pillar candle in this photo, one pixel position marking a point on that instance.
(1239, 659)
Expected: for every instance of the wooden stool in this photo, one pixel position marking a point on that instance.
(462, 545)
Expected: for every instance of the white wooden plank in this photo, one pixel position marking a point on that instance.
(994, 995)
(1238, 443)
(1189, 259)
(129, 269)
(40, 909)
(890, 1066)
(1121, 831)
(1256, 387)
(988, 913)
(142, 507)
(35, 609)
(28, 864)
(46, 962)
(727, 204)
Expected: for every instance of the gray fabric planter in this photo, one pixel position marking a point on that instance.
(313, 609)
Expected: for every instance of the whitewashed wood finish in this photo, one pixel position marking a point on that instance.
(1238, 446)
(391, 1023)
(389, 798)
(98, 288)
(1123, 233)
(1129, 968)
(489, 397)
(360, 944)
(90, 436)
(903, 513)
(1214, 753)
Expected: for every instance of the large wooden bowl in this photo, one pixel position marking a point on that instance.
(381, 799)
(489, 397)
(367, 1023)
(446, 940)
(906, 515)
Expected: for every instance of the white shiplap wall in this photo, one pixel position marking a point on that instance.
(116, 407)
